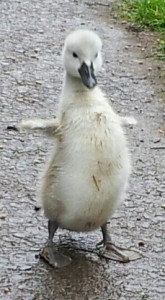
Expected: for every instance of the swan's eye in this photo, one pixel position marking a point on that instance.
(96, 55)
(75, 55)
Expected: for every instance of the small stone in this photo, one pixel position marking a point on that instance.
(19, 235)
(124, 22)
(19, 99)
(40, 31)
(38, 82)
(7, 290)
(148, 192)
(141, 243)
(11, 167)
(156, 141)
(33, 56)
(160, 130)
(21, 287)
(20, 50)
(25, 268)
(37, 161)
(2, 217)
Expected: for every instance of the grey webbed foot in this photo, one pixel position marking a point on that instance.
(49, 253)
(54, 258)
(114, 252)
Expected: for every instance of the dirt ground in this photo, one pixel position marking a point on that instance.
(31, 39)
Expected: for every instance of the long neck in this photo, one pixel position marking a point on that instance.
(75, 93)
(73, 85)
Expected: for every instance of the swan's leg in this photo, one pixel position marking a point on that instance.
(52, 228)
(111, 251)
(49, 253)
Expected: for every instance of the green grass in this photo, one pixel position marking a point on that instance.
(161, 49)
(147, 14)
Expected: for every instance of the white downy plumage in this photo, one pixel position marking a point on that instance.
(87, 175)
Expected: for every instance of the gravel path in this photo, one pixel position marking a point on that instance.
(31, 39)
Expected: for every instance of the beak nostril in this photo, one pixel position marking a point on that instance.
(86, 71)
(92, 69)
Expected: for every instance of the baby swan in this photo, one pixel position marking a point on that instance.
(87, 176)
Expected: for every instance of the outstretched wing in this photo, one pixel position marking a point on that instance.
(50, 127)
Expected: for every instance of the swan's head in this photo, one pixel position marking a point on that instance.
(82, 56)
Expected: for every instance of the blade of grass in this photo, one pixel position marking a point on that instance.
(147, 14)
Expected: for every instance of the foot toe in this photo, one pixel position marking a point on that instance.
(55, 259)
(119, 254)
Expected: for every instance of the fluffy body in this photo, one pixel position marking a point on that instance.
(86, 178)
(87, 175)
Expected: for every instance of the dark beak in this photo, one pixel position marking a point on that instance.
(87, 75)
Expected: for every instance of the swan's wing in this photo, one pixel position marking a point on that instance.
(50, 127)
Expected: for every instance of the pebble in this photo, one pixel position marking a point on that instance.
(7, 290)
(2, 217)
(141, 243)
(25, 268)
